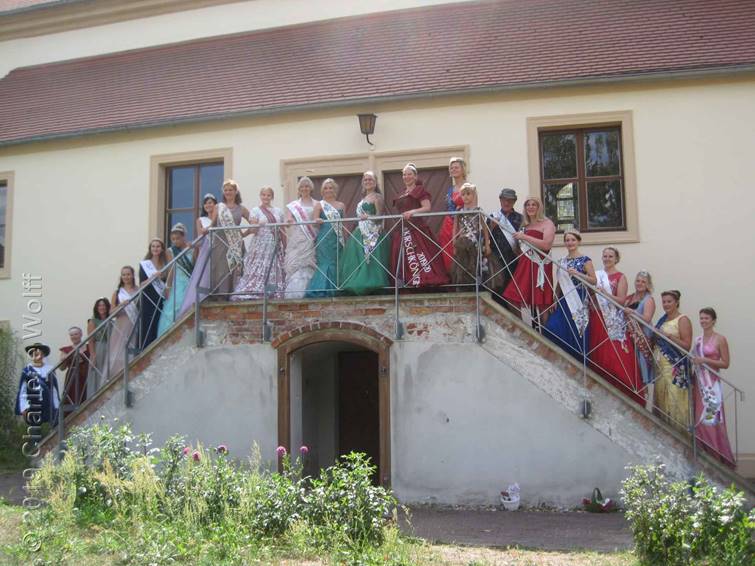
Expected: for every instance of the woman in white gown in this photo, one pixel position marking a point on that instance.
(300, 249)
(200, 276)
(263, 262)
(123, 324)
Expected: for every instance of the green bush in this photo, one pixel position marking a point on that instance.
(12, 428)
(683, 523)
(175, 502)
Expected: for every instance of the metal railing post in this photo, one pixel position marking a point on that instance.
(691, 411)
(399, 327)
(479, 330)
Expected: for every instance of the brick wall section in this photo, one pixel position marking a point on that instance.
(374, 315)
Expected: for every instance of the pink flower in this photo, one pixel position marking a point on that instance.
(280, 451)
(195, 455)
(222, 449)
(303, 450)
(186, 450)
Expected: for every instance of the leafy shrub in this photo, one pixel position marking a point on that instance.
(12, 428)
(681, 523)
(344, 499)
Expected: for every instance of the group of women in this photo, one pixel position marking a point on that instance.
(304, 250)
(592, 316)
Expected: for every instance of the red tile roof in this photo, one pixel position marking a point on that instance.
(469, 47)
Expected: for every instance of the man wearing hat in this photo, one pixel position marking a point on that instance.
(38, 396)
(503, 224)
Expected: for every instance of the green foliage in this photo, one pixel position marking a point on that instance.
(182, 502)
(11, 427)
(681, 523)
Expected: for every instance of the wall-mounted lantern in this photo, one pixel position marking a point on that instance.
(367, 125)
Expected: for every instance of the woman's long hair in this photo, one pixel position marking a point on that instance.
(540, 212)
(95, 310)
(163, 256)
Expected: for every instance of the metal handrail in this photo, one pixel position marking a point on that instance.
(76, 352)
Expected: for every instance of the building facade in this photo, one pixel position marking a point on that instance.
(113, 122)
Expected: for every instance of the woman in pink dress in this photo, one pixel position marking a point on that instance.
(532, 283)
(457, 169)
(711, 354)
(611, 348)
(421, 262)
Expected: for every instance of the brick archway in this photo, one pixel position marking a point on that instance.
(288, 343)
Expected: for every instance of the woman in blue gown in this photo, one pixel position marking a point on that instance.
(178, 278)
(567, 326)
(328, 244)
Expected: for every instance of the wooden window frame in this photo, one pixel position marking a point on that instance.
(159, 165)
(581, 180)
(196, 210)
(591, 121)
(7, 177)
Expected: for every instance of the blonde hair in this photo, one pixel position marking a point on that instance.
(460, 161)
(304, 181)
(645, 274)
(268, 188)
(540, 212)
(469, 188)
(329, 181)
(615, 252)
(574, 232)
(411, 166)
(374, 178)
(235, 185)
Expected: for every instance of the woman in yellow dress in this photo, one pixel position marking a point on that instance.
(672, 383)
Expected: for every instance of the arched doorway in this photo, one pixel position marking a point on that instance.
(334, 393)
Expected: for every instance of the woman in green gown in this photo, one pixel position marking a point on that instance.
(329, 242)
(365, 267)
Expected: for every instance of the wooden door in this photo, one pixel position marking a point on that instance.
(436, 182)
(359, 406)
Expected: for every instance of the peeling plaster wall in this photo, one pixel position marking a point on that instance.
(466, 419)
(215, 395)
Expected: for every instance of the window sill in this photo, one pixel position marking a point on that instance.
(602, 238)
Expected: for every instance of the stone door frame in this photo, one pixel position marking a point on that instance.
(351, 333)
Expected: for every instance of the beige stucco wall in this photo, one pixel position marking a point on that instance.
(81, 208)
(236, 17)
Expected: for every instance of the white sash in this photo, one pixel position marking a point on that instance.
(370, 230)
(534, 256)
(150, 269)
(130, 309)
(507, 228)
(235, 242)
(710, 390)
(616, 325)
(332, 213)
(300, 215)
(576, 304)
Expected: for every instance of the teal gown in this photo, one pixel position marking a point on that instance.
(172, 305)
(328, 253)
(365, 264)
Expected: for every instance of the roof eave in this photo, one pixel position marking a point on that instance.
(710, 72)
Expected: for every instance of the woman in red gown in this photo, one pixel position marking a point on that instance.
(421, 263)
(611, 348)
(532, 283)
(711, 350)
(457, 169)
